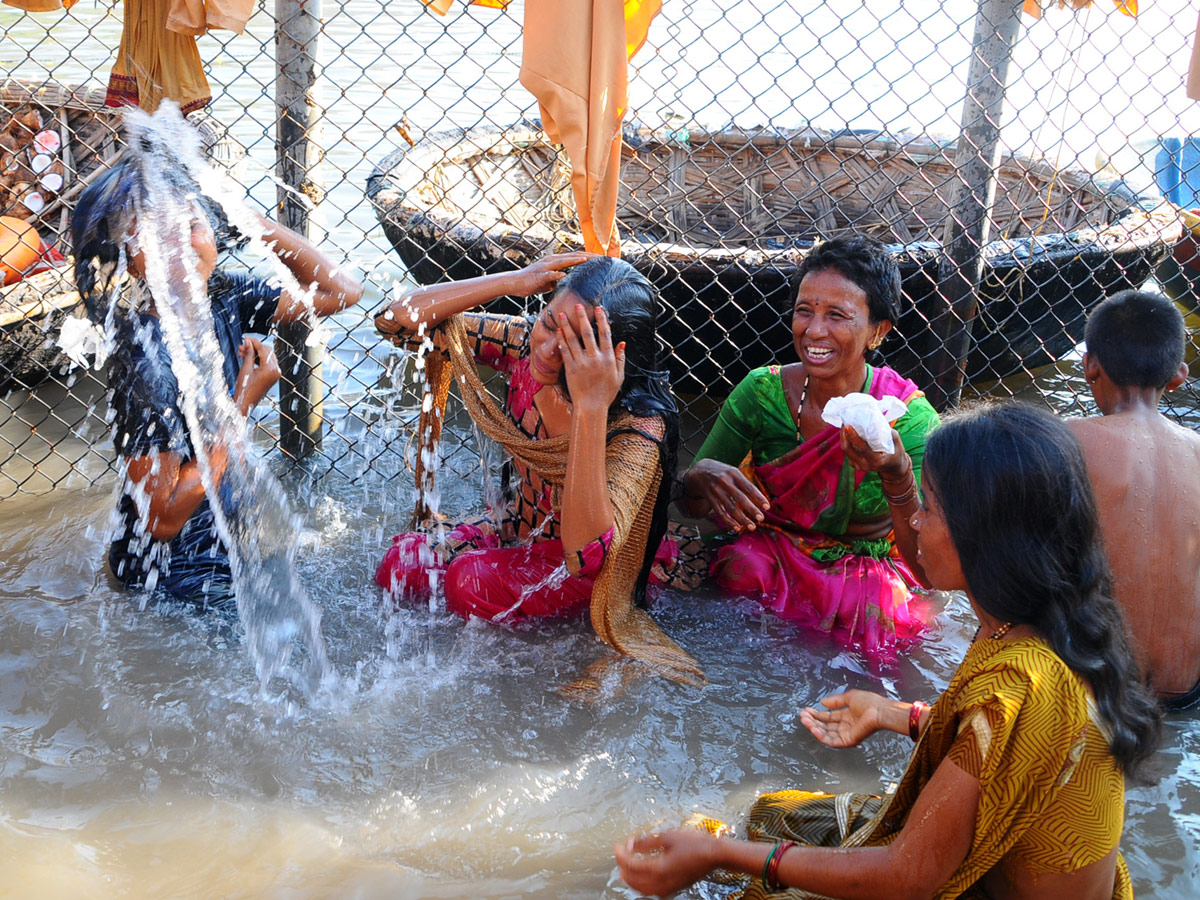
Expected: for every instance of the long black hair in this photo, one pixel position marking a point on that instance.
(105, 218)
(632, 306)
(1011, 482)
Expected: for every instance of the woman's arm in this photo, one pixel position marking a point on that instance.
(171, 486)
(711, 486)
(714, 484)
(595, 372)
(933, 843)
(334, 288)
(422, 309)
(173, 489)
(896, 474)
(846, 719)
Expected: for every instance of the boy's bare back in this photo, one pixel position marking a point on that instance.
(1146, 474)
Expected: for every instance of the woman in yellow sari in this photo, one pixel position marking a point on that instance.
(1016, 786)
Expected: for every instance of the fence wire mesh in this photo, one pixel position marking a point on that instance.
(755, 128)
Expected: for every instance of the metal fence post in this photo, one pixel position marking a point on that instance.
(976, 158)
(298, 112)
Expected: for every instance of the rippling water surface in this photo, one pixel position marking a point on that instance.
(138, 757)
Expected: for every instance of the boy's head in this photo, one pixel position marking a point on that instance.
(1137, 338)
(104, 225)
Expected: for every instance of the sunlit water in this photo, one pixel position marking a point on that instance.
(138, 755)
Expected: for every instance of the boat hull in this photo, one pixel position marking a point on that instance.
(727, 307)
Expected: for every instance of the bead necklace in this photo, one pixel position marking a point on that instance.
(995, 635)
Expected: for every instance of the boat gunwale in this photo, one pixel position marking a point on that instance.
(1141, 221)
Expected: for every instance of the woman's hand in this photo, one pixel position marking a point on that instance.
(258, 374)
(844, 720)
(662, 864)
(892, 465)
(427, 307)
(595, 369)
(539, 277)
(728, 494)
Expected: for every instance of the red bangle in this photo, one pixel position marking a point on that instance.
(914, 719)
(773, 865)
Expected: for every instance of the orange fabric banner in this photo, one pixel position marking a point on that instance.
(1125, 7)
(576, 62)
(441, 7)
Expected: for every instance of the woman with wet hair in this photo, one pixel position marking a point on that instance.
(1016, 785)
(593, 429)
(816, 521)
(166, 537)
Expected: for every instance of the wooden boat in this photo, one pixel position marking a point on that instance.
(720, 220)
(88, 140)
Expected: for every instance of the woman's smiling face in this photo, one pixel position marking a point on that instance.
(831, 324)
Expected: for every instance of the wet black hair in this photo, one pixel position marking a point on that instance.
(1011, 482)
(633, 305)
(104, 217)
(1138, 338)
(864, 261)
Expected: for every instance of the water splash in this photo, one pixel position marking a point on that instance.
(253, 517)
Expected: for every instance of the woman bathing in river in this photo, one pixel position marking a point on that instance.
(821, 520)
(594, 430)
(1016, 786)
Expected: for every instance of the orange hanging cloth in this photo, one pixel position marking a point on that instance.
(35, 6)
(576, 62)
(1034, 7)
(153, 63)
(441, 7)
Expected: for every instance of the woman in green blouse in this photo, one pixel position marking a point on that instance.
(819, 521)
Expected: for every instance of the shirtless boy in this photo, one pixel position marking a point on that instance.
(1146, 473)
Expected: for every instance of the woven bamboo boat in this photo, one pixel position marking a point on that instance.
(32, 309)
(720, 220)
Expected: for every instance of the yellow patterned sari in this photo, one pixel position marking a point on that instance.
(1051, 795)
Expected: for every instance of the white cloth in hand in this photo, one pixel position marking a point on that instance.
(80, 337)
(869, 417)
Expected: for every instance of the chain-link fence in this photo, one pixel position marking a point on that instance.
(755, 128)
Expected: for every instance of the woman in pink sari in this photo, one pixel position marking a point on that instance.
(819, 521)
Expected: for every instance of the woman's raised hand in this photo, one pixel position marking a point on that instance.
(257, 374)
(844, 720)
(540, 276)
(863, 458)
(662, 864)
(595, 369)
(729, 494)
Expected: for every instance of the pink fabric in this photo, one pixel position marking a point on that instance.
(491, 582)
(864, 601)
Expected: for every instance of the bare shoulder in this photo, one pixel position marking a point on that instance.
(1185, 436)
(1093, 431)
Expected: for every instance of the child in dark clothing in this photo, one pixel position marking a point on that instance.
(166, 537)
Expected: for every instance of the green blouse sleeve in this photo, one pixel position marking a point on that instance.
(737, 425)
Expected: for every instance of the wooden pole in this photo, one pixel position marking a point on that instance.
(298, 113)
(976, 161)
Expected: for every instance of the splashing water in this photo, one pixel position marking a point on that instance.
(253, 517)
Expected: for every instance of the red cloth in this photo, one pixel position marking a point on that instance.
(500, 584)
